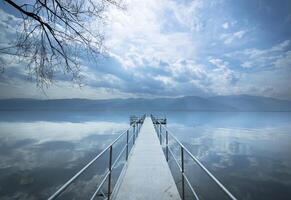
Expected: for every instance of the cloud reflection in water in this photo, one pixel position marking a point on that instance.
(38, 156)
(254, 162)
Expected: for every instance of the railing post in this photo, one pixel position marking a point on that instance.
(137, 129)
(133, 128)
(126, 144)
(133, 138)
(182, 168)
(167, 143)
(110, 170)
(160, 134)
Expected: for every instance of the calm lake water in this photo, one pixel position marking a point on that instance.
(249, 152)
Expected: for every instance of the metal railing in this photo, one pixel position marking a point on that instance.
(183, 150)
(135, 130)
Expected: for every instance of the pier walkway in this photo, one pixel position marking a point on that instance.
(147, 175)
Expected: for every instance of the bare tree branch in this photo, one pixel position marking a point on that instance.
(55, 32)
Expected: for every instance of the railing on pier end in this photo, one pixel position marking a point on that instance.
(159, 126)
(134, 129)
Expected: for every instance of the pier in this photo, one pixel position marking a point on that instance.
(146, 174)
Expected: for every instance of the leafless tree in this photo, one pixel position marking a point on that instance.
(54, 33)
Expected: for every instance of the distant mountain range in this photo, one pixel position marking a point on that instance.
(187, 103)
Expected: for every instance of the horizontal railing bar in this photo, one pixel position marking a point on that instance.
(118, 157)
(210, 175)
(71, 180)
(190, 186)
(105, 198)
(180, 168)
(112, 143)
(100, 185)
(201, 165)
(176, 140)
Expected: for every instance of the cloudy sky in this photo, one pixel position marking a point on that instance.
(175, 48)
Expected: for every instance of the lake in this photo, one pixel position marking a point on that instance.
(249, 152)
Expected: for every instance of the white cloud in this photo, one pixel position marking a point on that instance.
(225, 25)
(275, 56)
(284, 61)
(224, 79)
(218, 62)
(163, 48)
(7, 24)
(246, 64)
(187, 14)
(229, 38)
(140, 31)
(271, 68)
(278, 48)
(138, 40)
(281, 46)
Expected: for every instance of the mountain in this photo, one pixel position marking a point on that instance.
(253, 103)
(188, 103)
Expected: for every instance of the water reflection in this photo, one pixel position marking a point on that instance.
(38, 156)
(254, 161)
(249, 152)
(62, 131)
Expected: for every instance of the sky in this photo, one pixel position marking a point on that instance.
(172, 48)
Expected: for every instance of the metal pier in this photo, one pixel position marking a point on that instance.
(145, 174)
(148, 175)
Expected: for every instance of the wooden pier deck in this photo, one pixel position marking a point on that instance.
(147, 175)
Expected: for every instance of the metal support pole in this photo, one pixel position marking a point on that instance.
(182, 168)
(110, 170)
(126, 144)
(167, 148)
(133, 138)
(133, 129)
(160, 134)
(137, 129)
(161, 139)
